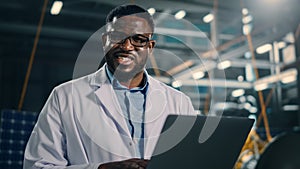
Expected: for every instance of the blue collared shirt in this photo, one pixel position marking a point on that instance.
(132, 103)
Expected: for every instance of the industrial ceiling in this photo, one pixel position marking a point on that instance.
(184, 47)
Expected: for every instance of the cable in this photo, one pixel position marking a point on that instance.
(36, 40)
(267, 102)
(260, 94)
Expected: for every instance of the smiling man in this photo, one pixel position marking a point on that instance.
(127, 46)
(110, 119)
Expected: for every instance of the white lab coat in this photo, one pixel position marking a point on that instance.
(82, 126)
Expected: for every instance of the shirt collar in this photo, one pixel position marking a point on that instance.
(117, 85)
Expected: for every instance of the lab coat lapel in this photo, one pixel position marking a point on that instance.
(101, 121)
(109, 100)
(155, 115)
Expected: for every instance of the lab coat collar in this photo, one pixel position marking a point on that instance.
(155, 95)
(107, 97)
(99, 77)
(155, 109)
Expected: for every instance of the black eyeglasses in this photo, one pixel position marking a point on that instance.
(137, 40)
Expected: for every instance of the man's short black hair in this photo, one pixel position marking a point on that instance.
(130, 9)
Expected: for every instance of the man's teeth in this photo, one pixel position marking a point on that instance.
(124, 58)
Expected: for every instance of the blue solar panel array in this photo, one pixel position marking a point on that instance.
(15, 129)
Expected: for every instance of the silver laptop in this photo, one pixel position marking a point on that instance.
(200, 142)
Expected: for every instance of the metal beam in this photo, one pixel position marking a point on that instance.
(260, 64)
(235, 53)
(83, 35)
(161, 4)
(223, 83)
(189, 33)
(203, 67)
(276, 77)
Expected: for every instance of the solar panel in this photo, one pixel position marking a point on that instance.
(15, 129)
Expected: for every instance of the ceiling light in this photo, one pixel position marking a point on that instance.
(253, 110)
(180, 14)
(245, 11)
(238, 93)
(224, 65)
(242, 99)
(289, 79)
(208, 18)
(249, 72)
(151, 11)
(177, 83)
(247, 106)
(198, 75)
(247, 55)
(240, 78)
(290, 107)
(264, 48)
(247, 19)
(261, 86)
(56, 7)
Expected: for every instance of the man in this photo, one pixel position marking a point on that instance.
(112, 118)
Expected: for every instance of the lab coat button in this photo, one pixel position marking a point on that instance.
(130, 143)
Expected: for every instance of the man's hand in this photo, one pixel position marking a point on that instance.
(133, 163)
